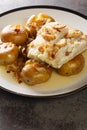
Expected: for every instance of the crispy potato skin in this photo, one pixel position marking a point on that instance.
(16, 34)
(8, 53)
(34, 72)
(72, 67)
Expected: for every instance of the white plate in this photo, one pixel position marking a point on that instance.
(57, 85)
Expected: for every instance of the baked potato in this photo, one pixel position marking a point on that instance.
(8, 53)
(72, 67)
(16, 34)
(45, 17)
(34, 72)
(35, 22)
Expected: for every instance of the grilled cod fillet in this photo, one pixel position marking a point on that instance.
(56, 44)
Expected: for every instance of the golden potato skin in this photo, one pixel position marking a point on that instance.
(35, 22)
(72, 67)
(16, 34)
(8, 53)
(34, 72)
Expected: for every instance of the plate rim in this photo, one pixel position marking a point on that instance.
(45, 96)
(45, 7)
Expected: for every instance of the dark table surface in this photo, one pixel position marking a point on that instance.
(25, 113)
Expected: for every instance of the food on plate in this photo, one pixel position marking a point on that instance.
(8, 53)
(72, 67)
(44, 18)
(16, 67)
(34, 72)
(56, 44)
(44, 44)
(35, 22)
(14, 33)
(32, 51)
